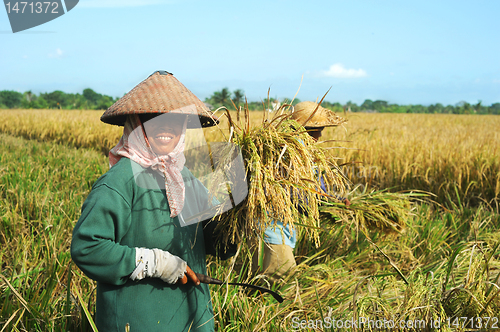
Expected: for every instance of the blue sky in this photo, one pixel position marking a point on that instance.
(406, 52)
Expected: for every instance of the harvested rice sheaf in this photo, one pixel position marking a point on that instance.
(284, 168)
(375, 210)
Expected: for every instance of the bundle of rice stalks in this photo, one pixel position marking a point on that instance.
(477, 295)
(284, 168)
(377, 210)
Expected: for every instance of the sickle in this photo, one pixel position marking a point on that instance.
(212, 281)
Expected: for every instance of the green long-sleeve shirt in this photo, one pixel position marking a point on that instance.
(117, 216)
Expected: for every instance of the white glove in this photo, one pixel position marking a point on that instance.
(158, 263)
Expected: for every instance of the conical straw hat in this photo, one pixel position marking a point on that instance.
(323, 117)
(161, 92)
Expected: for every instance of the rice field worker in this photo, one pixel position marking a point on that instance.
(315, 125)
(130, 237)
(279, 241)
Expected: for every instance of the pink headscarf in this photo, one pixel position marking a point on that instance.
(134, 145)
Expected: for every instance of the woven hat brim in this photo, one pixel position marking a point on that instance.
(160, 93)
(322, 118)
(194, 120)
(322, 125)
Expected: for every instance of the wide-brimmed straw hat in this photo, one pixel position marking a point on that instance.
(323, 117)
(160, 93)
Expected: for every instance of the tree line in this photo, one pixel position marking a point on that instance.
(89, 99)
(236, 98)
(383, 106)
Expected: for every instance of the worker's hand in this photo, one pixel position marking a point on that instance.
(169, 268)
(347, 202)
(189, 275)
(157, 263)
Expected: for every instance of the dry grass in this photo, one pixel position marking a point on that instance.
(456, 157)
(80, 129)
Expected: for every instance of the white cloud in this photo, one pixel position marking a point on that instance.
(57, 54)
(496, 81)
(120, 3)
(339, 71)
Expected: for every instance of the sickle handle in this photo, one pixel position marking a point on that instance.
(208, 280)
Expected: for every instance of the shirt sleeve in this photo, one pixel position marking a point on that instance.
(95, 247)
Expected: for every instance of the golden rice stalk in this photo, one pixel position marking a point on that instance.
(373, 211)
(284, 167)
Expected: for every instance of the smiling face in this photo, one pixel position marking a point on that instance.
(163, 131)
